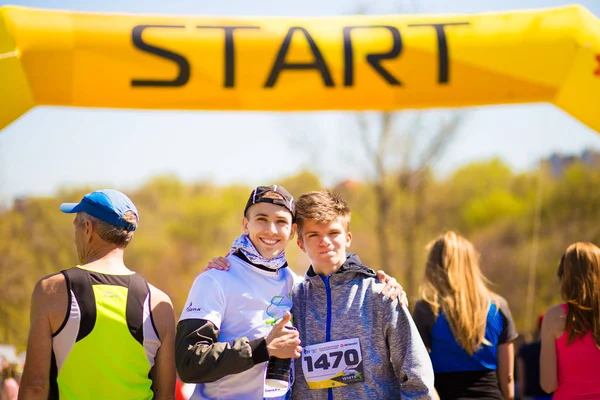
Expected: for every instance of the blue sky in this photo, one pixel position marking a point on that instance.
(51, 147)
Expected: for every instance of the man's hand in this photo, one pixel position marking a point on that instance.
(393, 287)
(283, 342)
(219, 263)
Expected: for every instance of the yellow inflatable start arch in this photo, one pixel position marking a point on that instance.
(291, 64)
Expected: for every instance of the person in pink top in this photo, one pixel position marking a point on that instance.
(570, 356)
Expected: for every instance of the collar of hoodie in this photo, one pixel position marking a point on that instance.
(351, 267)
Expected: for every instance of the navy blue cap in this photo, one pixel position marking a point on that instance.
(108, 205)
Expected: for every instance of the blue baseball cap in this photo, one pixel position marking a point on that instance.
(108, 205)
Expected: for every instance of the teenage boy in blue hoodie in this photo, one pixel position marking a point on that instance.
(355, 344)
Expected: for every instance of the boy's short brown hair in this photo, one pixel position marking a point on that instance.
(323, 207)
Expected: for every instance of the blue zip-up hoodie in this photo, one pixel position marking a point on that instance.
(349, 304)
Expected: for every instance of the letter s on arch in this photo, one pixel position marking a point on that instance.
(183, 64)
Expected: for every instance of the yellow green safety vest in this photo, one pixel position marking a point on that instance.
(106, 345)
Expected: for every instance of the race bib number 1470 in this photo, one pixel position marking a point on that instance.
(332, 364)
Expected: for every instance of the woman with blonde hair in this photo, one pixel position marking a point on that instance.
(570, 357)
(467, 328)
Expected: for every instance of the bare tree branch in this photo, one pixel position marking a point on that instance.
(363, 131)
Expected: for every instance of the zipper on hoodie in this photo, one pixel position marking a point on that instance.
(328, 324)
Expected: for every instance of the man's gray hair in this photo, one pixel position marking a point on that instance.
(110, 233)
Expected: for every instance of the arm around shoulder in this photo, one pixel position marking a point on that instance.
(163, 372)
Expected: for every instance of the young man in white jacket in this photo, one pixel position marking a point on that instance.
(233, 322)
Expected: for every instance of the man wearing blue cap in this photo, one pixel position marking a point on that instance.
(99, 330)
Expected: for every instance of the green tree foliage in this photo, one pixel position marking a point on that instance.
(183, 226)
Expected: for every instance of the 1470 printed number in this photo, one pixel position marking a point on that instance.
(323, 362)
